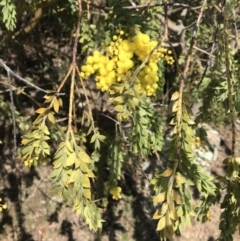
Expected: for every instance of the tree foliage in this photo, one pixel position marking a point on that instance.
(131, 52)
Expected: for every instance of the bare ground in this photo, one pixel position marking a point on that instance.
(36, 214)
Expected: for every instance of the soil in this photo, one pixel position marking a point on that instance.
(36, 214)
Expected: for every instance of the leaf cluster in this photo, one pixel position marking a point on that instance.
(173, 196)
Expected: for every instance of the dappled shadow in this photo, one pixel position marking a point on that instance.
(211, 239)
(144, 226)
(112, 225)
(54, 216)
(13, 194)
(66, 229)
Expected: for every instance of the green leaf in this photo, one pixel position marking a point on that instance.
(51, 118)
(119, 108)
(94, 137)
(164, 208)
(175, 96)
(157, 214)
(85, 182)
(161, 224)
(168, 172)
(74, 176)
(159, 198)
(87, 193)
(83, 156)
(41, 110)
(57, 163)
(175, 106)
(180, 211)
(56, 105)
(90, 174)
(71, 159)
(69, 146)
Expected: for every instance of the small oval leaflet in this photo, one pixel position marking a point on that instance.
(168, 172)
(159, 198)
(161, 224)
(157, 214)
(71, 159)
(56, 105)
(74, 176)
(175, 96)
(51, 118)
(41, 110)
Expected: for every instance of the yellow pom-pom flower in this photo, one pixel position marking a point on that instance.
(116, 193)
(119, 62)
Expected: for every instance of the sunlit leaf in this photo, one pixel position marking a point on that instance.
(180, 211)
(74, 176)
(175, 96)
(56, 105)
(175, 106)
(160, 197)
(51, 118)
(168, 172)
(69, 146)
(85, 182)
(164, 208)
(157, 214)
(71, 159)
(87, 193)
(179, 179)
(90, 174)
(119, 108)
(161, 224)
(41, 110)
(83, 156)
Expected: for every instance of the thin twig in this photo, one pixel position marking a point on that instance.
(142, 6)
(183, 78)
(13, 116)
(73, 68)
(9, 71)
(165, 2)
(77, 33)
(71, 101)
(229, 83)
(192, 42)
(87, 100)
(220, 19)
(158, 5)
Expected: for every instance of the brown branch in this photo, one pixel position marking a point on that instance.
(183, 78)
(9, 71)
(77, 33)
(229, 84)
(220, 18)
(165, 38)
(73, 69)
(13, 116)
(152, 5)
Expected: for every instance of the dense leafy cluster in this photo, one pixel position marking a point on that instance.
(173, 185)
(89, 158)
(71, 179)
(9, 14)
(123, 56)
(36, 148)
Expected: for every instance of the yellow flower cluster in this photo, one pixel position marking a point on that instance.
(2, 206)
(148, 76)
(28, 163)
(117, 64)
(116, 193)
